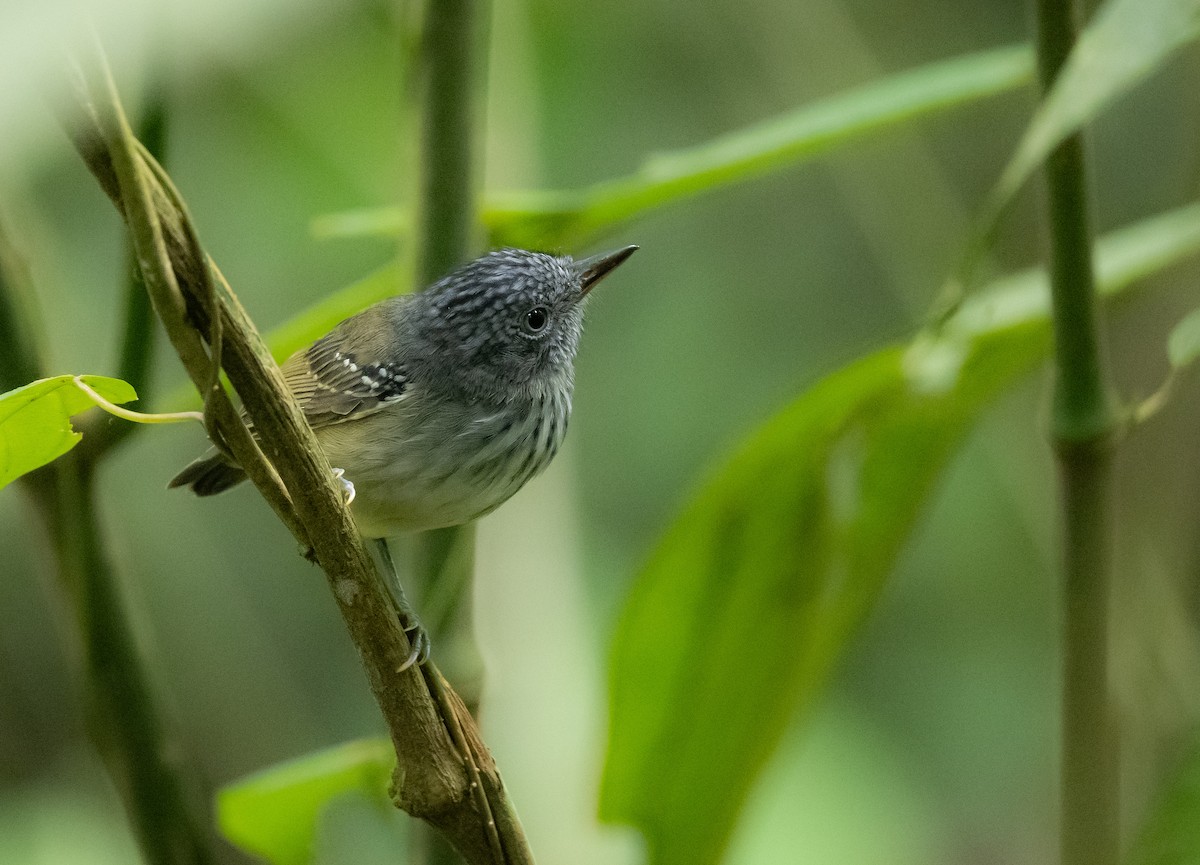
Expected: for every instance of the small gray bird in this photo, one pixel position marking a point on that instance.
(436, 407)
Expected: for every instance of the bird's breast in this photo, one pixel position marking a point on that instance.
(434, 466)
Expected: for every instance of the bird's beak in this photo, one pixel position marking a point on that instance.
(594, 269)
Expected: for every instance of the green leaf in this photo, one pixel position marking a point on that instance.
(35, 420)
(753, 594)
(568, 219)
(1126, 41)
(1171, 835)
(274, 813)
(1183, 345)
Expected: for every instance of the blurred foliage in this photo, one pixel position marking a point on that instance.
(1172, 834)
(754, 593)
(937, 742)
(568, 219)
(274, 813)
(1126, 41)
(1183, 345)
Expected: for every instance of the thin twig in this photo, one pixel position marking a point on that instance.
(136, 416)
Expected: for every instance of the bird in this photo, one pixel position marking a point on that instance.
(435, 407)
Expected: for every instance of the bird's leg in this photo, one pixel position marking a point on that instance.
(405, 612)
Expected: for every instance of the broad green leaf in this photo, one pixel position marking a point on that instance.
(1125, 42)
(1183, 345)
(753, 594)
(35, 420)
(568, 219)
(274, 813)
(1171, 835)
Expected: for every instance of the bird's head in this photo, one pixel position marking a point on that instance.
(508, 323)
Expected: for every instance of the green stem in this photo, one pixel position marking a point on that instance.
(122, 720)
(447, 227)
(1090, 771)
(446, 232)
(169, 824)
(137, 416)
(1084, 427)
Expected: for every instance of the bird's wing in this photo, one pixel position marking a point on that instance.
(333, 385)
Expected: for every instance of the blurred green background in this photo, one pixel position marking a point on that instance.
(937, 741)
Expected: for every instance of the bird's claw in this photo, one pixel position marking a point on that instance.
(347, 486)
(417, 638)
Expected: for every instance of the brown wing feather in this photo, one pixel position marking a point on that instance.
(333, 384)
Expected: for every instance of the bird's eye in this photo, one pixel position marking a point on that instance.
(536, 318)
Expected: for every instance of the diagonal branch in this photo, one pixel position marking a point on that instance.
(444, 772)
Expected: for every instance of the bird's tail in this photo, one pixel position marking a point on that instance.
(209, 475)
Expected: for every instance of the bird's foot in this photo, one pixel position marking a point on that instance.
(347, 486)
(418, 637)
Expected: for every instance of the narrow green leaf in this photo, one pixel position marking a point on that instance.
(35, 420)
(753, 594)
(1171, 835)
(1125, 42)
(321, 317)
(568, 219)
(782, 141)
(1183, 345)
(274, 813)
(389, 221)
(317, 320)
